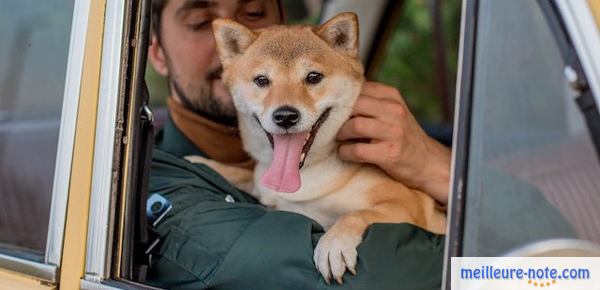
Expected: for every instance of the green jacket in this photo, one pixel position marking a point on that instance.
(209, 243)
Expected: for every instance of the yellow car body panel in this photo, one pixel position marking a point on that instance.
(78, 205)
(595, 7)
(11, 281)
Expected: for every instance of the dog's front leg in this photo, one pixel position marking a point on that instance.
(336, 250)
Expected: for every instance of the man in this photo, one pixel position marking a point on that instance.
(217, 236)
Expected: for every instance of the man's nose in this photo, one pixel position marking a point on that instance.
(286, 117)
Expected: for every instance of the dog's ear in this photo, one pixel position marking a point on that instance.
(341, 32)
(232, 39)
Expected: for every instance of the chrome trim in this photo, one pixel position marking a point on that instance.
(66, 138)
(48, 273)
(571, 77)
(585, 36)
(87, 284)
(457, 97)
(98, 250)
(91, 285)
(148, 114)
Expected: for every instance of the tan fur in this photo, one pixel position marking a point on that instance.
(344, 197)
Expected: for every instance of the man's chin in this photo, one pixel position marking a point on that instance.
(221, 95)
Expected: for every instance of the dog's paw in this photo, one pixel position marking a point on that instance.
(335, 252)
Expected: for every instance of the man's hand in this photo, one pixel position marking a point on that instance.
(383, 132)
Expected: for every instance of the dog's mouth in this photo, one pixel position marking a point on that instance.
(289, 156)
(311, 136)
(308, 140)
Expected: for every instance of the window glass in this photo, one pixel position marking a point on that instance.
(33, 61)
(532, 171)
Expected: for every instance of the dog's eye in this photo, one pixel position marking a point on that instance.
(314, 78)
(261, 81)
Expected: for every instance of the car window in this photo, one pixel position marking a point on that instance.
(532, 169)
(33, 61)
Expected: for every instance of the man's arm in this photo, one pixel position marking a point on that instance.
(397, 143)
(209, 242)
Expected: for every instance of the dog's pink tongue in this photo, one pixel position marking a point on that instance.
(284, 175)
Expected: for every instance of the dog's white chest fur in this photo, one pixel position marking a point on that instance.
(327, 191)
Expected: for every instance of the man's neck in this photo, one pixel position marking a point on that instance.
(182, 99)
(219, 142)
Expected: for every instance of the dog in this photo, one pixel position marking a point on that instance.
(293, 88)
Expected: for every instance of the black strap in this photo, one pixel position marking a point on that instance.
(143, 160)
(588, 107)
(143, 140)
(585, 101)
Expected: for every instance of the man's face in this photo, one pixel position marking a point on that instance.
(186, 50)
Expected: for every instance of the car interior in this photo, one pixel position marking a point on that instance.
(536, 136)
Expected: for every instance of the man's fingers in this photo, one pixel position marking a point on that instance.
(362, 128)
(382, 109)
(363, 152)
(381, 91)
(368, 106)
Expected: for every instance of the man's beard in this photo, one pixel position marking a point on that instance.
(204, 103)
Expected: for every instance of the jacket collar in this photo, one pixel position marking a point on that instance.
(171, 140)
(187, 133)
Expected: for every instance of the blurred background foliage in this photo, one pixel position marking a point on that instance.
(409, 63)
(157, 87)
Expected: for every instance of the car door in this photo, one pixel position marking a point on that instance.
(526, 171)
(73, 134)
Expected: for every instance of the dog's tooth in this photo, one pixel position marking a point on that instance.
(302, 156)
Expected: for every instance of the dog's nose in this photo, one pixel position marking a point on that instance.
(286, 117)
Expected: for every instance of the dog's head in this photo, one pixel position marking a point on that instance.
(293, 87)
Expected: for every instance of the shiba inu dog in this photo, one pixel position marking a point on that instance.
(293, 88)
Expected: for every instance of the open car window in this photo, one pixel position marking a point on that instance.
(386, 71)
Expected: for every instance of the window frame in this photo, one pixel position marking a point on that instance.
(101, 216)
(118, 179)
(578, 23)
(48, 269)
(568, 21)
(460, 144)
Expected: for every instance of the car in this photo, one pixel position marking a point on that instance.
(77, 122)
